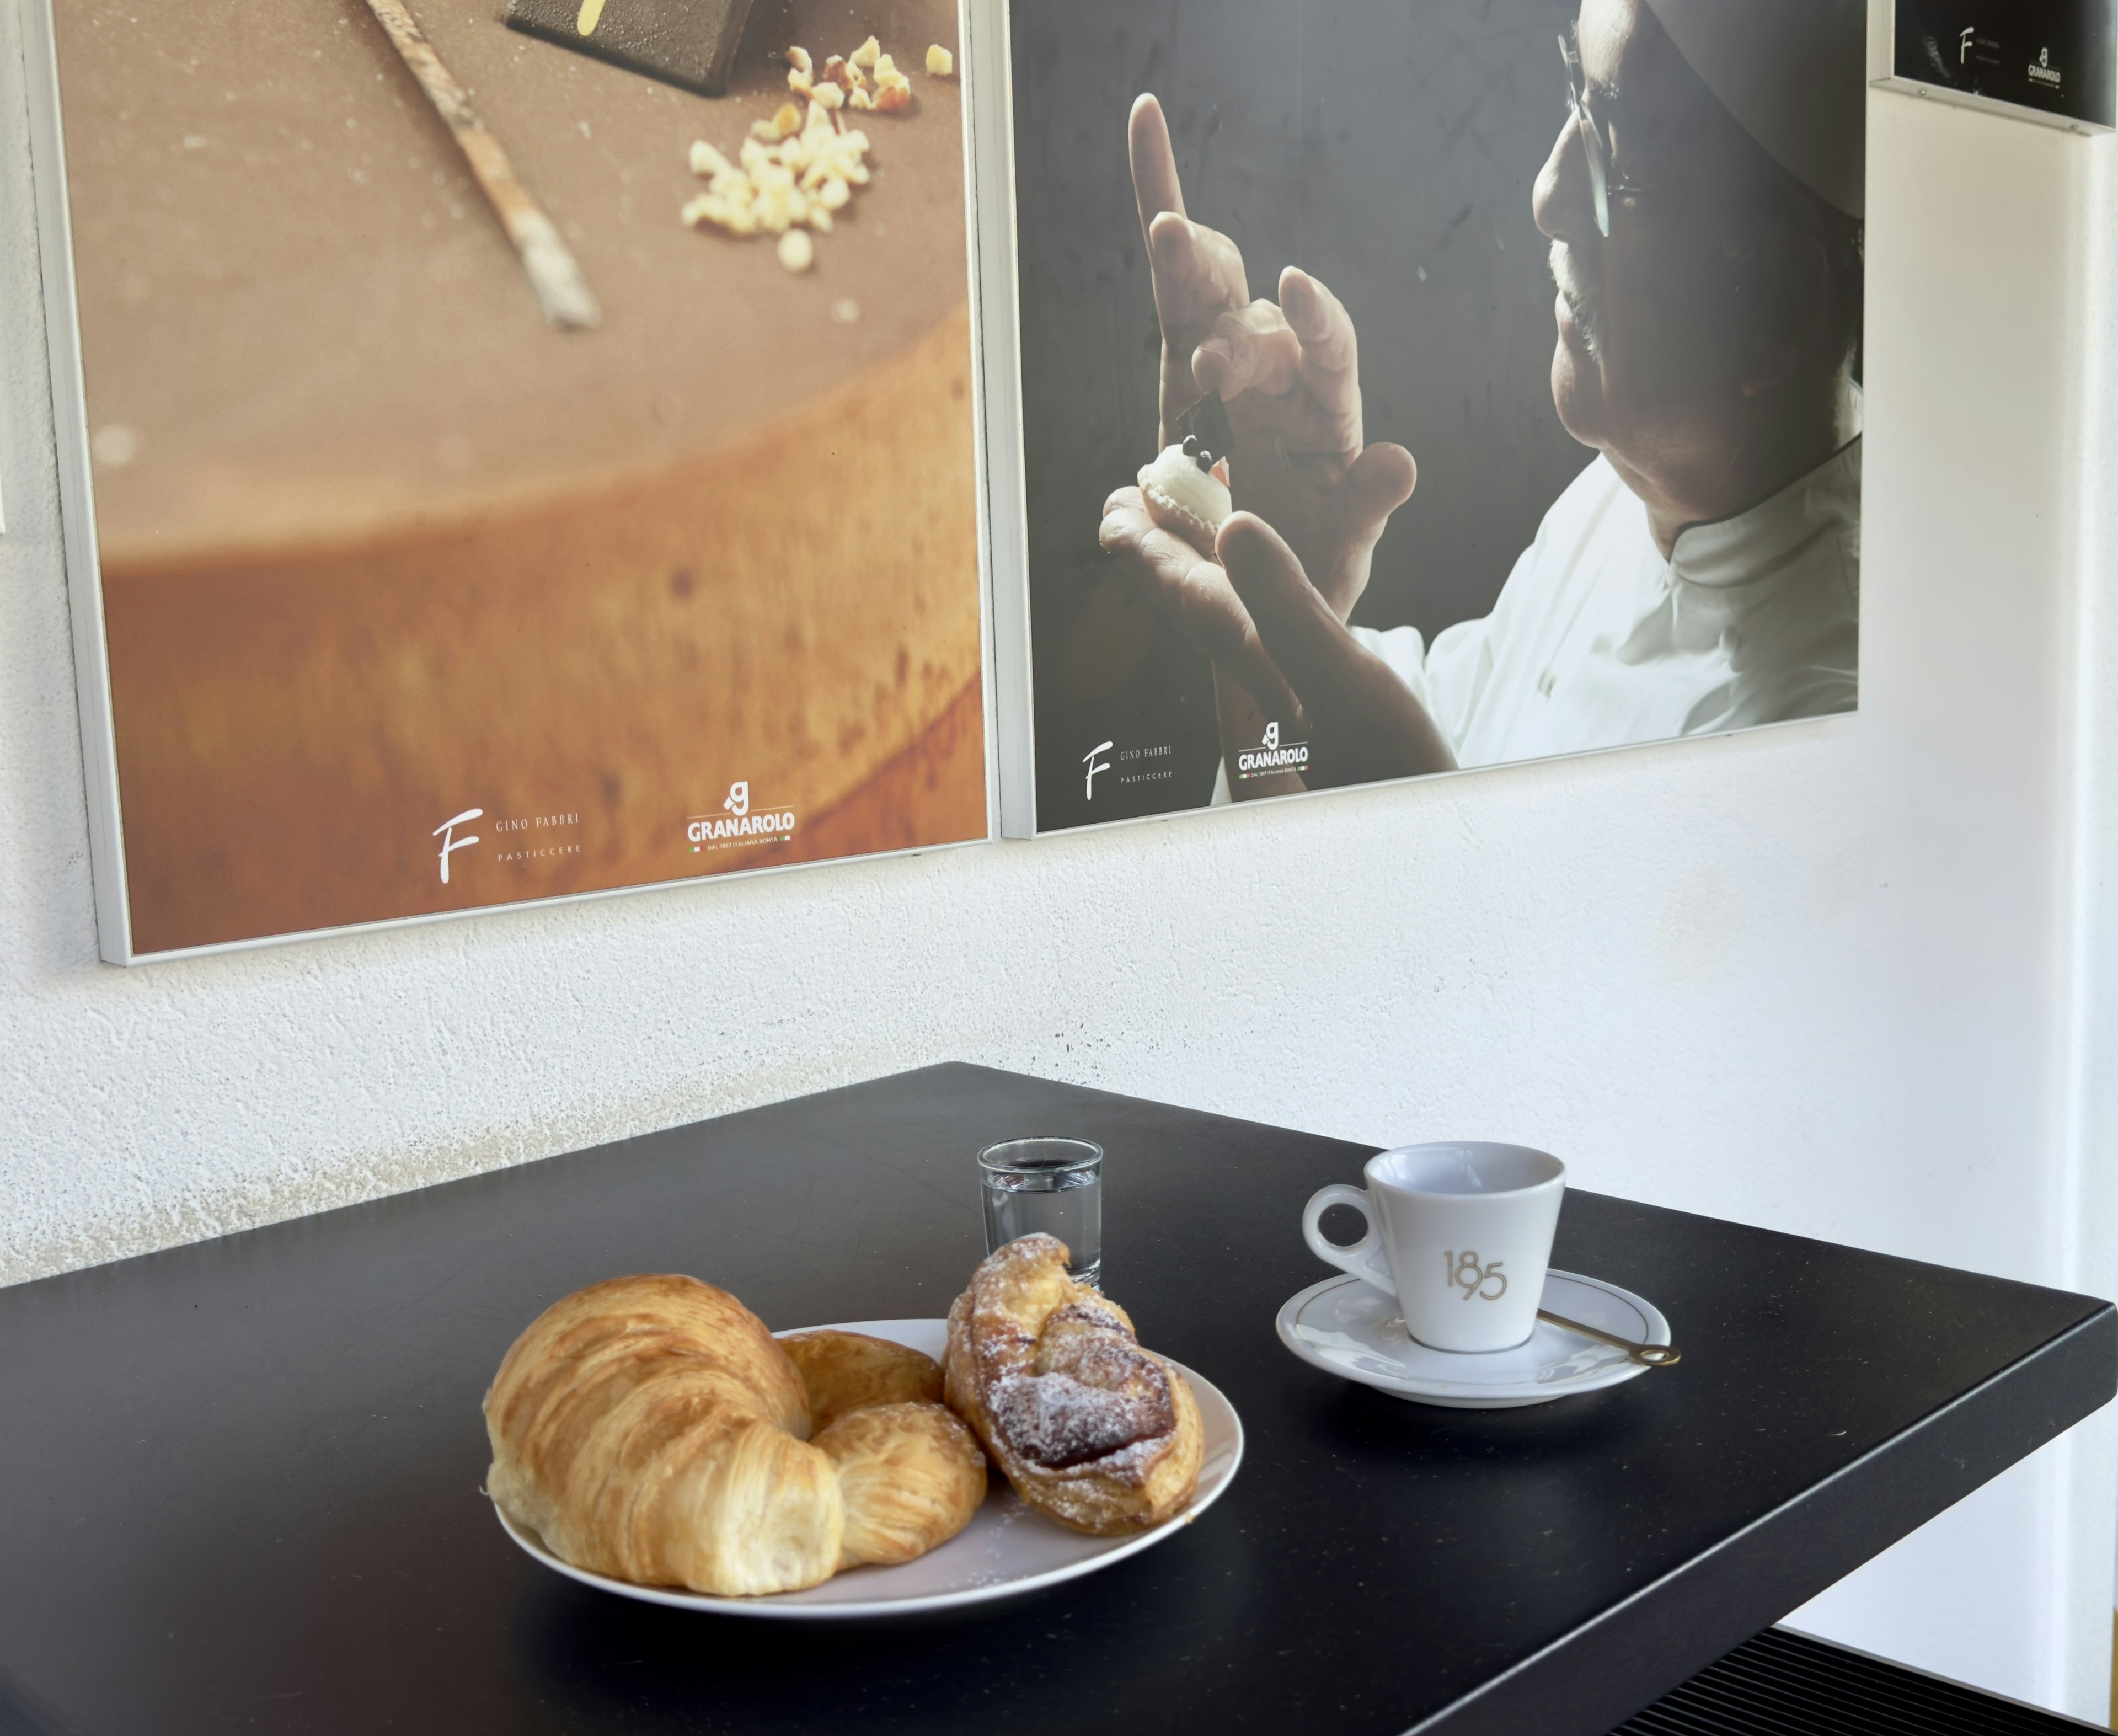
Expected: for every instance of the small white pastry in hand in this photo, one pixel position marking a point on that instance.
(1187, 491)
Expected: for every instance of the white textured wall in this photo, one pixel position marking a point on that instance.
(1819, 977)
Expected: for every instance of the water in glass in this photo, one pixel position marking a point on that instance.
(1052, 1187)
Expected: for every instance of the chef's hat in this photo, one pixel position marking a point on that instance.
(1794, 73)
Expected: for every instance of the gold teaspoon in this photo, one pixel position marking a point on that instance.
(1655, 1356)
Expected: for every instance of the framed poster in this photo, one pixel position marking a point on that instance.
(1407, 388)
(496, 470)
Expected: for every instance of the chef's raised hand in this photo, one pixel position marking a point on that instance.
(1289, 372)
(1198, 272)
(1193, 594)
(1290, 377)
(1362, 722)
(1291, 369)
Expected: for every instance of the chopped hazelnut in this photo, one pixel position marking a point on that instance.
(795, 169)
(732, 214)
(842, 162)
(797, 82)
(884, 69)
(894, 97)
(939, 61)
(867, 53)
(798, 58)
(781, 207)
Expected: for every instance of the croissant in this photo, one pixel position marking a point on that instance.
(651, 1429)
(846, 1371)
(1092, 1430)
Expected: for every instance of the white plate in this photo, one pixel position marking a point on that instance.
(1353, 1329)
(1006, 1549)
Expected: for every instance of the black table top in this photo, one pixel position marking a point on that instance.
(242, 1479)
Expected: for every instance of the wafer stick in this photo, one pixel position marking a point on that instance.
(561, 291)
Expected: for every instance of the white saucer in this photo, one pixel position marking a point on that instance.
(1006, 1549)
(1353, 1329)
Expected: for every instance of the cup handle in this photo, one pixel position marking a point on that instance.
(1364, 1259)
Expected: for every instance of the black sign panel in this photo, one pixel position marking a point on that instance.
(2057, 58)
(687, 42)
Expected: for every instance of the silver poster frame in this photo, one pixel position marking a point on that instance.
(983, 46)
(1014, 678)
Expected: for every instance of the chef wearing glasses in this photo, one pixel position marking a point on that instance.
(1703, 202)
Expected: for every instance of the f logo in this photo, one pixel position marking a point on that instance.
(1095, 765)
(1272, 735)
(1964, 45)
(738, 797)
(445, 831)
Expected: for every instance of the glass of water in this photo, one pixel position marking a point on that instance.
(1051, 1185)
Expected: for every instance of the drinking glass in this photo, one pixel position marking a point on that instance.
(1053, 1186)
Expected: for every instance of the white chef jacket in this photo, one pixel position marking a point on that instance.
(1596, 640)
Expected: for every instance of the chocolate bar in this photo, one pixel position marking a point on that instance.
(1207, 421)
(690, 42)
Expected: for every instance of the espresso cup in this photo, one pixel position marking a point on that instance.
(1460, 1232)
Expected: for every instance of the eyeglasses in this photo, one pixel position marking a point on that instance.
(1594, 146)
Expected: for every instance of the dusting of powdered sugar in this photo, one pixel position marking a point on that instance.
(1078, 1393)
(1055, 1421)
(1060, 1420)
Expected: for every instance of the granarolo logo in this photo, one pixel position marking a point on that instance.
(736, 824)
(1272, 755)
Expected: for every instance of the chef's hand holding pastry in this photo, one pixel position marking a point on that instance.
(1288, 374)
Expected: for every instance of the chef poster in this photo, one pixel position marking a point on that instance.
(533, 447)
(1415, 387)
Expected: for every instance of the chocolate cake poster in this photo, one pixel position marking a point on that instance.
(519, 451)
(1410, 388)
